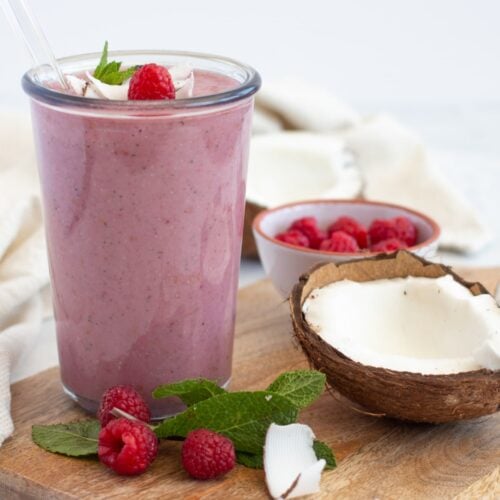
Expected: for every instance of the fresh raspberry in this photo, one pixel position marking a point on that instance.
(293, 237)
(400, 228)
(126, 398)
(151, 81)
(206, 454)
(353, 228)
(309, 227)
(390, 245)
(407, 232)
(128, 447)
(340, 241)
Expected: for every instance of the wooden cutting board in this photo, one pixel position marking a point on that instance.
(377, 458)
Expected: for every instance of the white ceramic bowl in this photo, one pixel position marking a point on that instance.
(285, 263)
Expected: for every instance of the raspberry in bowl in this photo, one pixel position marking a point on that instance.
(341, 230)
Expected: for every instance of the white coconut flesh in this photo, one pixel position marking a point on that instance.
(293, 166)
(414, 324)
(290, 463)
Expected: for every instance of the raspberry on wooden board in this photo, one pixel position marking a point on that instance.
(126, 398)
(207, 455)
(128, 447)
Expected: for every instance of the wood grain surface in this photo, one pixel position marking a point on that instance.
(377, 458)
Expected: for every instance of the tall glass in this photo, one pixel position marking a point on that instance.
(143, 206)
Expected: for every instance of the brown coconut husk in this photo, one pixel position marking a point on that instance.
(402, 395)
(249, 247)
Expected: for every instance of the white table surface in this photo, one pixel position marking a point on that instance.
(465, 138)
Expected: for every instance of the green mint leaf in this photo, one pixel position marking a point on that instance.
(103, 62)
(117, 78)
(189, 391)
(301, 387)
(243, 417)
(76, 439)
(112, 67)
(251, 460)
(109, 72)
(322, 450)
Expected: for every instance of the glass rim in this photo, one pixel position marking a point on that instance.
(245, 89)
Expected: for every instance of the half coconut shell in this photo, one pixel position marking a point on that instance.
(402, 395)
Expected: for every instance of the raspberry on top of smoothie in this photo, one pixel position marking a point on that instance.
(147, 82)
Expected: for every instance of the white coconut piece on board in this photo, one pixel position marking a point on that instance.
(290, 464)
(292, 166)
(431, 326)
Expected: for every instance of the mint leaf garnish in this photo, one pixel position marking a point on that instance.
(109, 72)
(241, 416)
(252, 460)
(76, 439)
(301, 387)
(102, 63)
(189, 391)
(322, 450)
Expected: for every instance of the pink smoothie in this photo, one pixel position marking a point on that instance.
(144, 223)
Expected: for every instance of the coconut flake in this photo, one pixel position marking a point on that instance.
(77, 85)
(106, 91)
(183, 78)
(290, 464)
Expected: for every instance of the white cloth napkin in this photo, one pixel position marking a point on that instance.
(24, 274)
(394, 163)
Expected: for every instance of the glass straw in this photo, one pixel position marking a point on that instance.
(24, 22)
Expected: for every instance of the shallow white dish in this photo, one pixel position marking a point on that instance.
(284, 263)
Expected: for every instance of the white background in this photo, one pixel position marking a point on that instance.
(365, 50)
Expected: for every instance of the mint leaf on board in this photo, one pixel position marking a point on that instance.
(322, 450)
(243, 417)
(301, 387)
(75, 439)
(252, 460)
(109, 72)
(189, 391)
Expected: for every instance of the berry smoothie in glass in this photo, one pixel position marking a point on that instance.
(143, 182)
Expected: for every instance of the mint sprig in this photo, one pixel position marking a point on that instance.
(76, 439)
(244, 417)
(109, 72)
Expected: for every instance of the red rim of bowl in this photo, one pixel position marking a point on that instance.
(436, 231)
